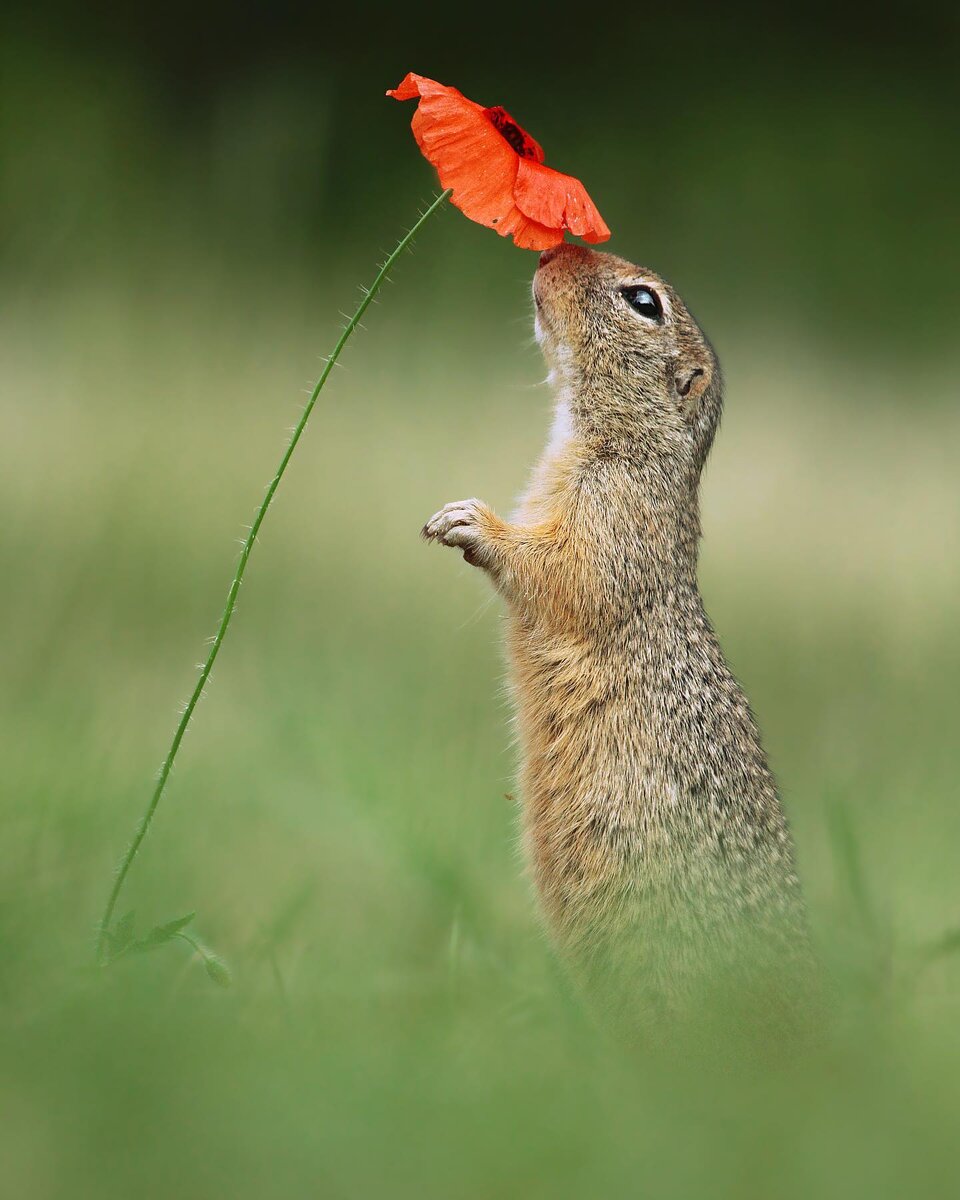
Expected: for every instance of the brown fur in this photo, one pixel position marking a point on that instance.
(652, 824)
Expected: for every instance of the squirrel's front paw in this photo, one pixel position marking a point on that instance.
(463, 524)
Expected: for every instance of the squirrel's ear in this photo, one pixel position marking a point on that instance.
(691, 379)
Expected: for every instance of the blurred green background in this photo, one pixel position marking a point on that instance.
(189, 198)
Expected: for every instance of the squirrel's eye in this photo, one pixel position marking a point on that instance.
(646, 302)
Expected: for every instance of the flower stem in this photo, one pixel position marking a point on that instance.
(228, 610)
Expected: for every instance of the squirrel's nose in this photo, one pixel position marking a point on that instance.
(547, 255)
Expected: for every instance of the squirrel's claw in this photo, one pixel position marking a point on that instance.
(458, 524)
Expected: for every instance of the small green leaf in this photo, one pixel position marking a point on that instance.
(218, 970)
(122, 935)
(159, 935)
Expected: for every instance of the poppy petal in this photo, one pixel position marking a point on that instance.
(558, 201)
(492, 180)
(406, 89)
(527, 234)
(474, 160)
(413, 85)
(469, 154)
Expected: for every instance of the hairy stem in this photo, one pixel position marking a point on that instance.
(228, 610)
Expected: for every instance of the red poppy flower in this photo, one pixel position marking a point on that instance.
(495, 169)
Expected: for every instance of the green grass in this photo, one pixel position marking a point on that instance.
(337, 817)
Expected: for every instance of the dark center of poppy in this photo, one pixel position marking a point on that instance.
(519, 139)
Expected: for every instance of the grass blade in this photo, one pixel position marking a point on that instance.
(248, 544)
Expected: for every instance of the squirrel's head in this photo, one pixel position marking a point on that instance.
(631, 361)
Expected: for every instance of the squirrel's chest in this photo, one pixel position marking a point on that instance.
(549, 489)
(616, 737)
(587, 731)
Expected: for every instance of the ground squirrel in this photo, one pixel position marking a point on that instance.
(651, 821)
